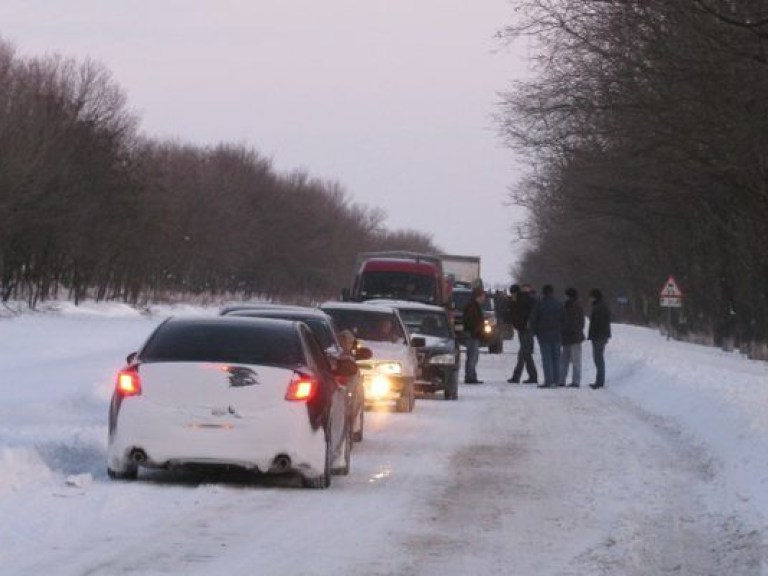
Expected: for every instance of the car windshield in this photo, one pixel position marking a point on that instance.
(240, 343)
(461, 297)
(398, 286)
(369, 325)
(426, 322)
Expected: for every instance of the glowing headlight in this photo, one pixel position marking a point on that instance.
(487, 328)
(378, 386)
(443, 359)
(391, 368)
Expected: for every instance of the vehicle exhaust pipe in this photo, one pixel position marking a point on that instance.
(138, 456)
(281, 463)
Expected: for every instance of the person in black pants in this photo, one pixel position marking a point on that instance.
(474, 322)
(519, 312)
(599, 334)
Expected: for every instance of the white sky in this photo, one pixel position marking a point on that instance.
(392, 98)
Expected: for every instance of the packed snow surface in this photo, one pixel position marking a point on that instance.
(663, 472)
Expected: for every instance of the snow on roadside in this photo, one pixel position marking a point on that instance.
(718, 399)
(58, 370)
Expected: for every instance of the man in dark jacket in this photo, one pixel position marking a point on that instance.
(573, 336)
(599, 334)
(547, 322)
(519, 312)
(474, 322)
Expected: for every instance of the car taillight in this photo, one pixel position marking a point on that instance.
(301, 388)
(128, 382)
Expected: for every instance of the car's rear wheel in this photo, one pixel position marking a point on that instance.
(129, 473)
(324, 479)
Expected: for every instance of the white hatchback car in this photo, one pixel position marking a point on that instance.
(250, 393)
(390, 374)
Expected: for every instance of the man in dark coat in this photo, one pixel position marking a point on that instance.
(519, 312)
(547, 322)
(599, 334)
(573, 336)
(474, 322)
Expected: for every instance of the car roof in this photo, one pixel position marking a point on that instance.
(259, 306)
(225, 320)
(407, 304)
(361, 306)
(294, 312)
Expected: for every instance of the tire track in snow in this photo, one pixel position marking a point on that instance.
(573, 482)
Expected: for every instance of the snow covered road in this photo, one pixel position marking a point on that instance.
(664, 472)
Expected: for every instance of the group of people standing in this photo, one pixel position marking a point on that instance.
(559, 329)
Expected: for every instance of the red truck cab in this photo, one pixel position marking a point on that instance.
(400, 276)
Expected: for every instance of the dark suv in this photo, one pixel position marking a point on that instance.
(493, 337)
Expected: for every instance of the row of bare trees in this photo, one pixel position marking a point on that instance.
(89, 207)
(647, 130)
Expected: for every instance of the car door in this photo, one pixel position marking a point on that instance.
(413, 361)
(335, 394)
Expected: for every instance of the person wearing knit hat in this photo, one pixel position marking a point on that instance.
(547, 321)
(573, 336)
(519, 313)
(599, 334)
(474, 322)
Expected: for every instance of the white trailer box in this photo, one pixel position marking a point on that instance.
(461, 268)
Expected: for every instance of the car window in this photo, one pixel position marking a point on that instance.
(460, 299)
(239, 343)
(368, 325)
(320, 360)
(426, 322)
(322, 330)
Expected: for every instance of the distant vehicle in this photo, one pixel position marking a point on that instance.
(461, 271)
(389, 376)
(325, 330)
(440, 357)
(399, 275)
(249, 393)
(492, 330)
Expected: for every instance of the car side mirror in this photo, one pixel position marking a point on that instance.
(345, 367)
(131, 358)
(418, 342)
(363, 353)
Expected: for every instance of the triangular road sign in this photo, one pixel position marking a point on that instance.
(671, 289)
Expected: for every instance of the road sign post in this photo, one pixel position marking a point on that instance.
(670, 297)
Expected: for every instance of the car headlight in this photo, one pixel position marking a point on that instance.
(377, 387)
(390, 368)
(443, 359)
(487, 327)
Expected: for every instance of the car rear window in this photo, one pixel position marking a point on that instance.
(239, 343)
(320, 328)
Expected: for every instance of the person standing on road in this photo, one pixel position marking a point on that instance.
(474, 321)
(519, 313)
(599, 334)
(573, 336)
(547, 322)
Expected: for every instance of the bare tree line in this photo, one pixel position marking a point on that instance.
(90, 208)
(647, 130)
